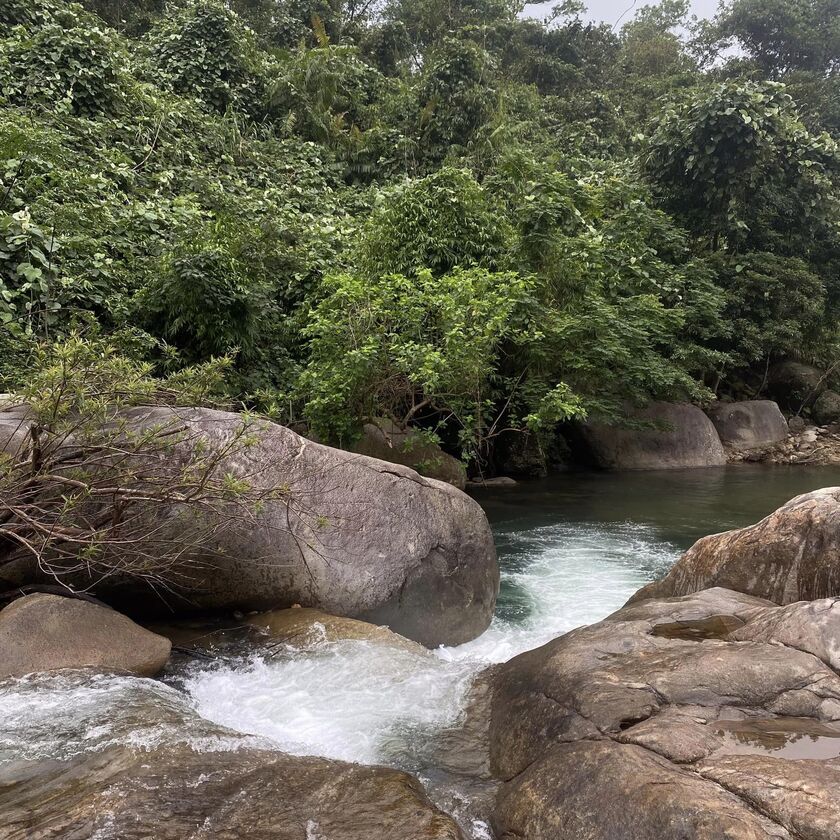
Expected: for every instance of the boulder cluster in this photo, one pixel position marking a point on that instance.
(708, 707)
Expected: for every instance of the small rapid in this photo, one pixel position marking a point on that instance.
(371, 703)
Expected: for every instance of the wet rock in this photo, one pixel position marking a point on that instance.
(388, 442)
(826, 408)
(151, 767)
(748, 425)
(620, 731)
(45, 632)
(353, 536)
(795, 385)
(306, 628)
(685, 437)
(791, 555)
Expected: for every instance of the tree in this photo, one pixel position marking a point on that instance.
(785, 35)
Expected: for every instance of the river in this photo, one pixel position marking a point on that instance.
(572, 549)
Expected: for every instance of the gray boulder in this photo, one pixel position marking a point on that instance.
(45, 632)
(348, 534)
(794, 384)
(386, 441)
(748, 425)
(121, 759)
(14, 429)
(826, 409)
(683, 436)
(686, 717)
(791, 555)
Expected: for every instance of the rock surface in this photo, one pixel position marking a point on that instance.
(351, 535)
(305, 628)
(795, 385)
(749, 424)
(135, 762)
(14, 430)
(386, 441)
(46, 632)
(826, 408)
(686, 438)
(791, 555)
(706, 716)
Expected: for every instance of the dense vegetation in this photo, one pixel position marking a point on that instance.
(438, 212)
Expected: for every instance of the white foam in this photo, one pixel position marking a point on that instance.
(372, 703)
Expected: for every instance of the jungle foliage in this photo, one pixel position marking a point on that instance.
(439, 212)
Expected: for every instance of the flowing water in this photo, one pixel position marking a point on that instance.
(572, 549)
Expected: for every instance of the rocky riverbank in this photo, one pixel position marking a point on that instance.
(708, 707)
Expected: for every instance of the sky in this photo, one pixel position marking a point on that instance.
(610, 11)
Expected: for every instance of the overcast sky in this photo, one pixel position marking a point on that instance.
(611, 10)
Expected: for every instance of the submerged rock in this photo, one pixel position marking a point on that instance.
(749, 425)
(129, 760)
(791, 555)
(46, 632)
(619, 732)
(304, 628)
(349, 534)
(683, 437)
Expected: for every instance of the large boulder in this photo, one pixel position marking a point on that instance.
(688, 717)
(44, 632)
(791, 555)
(748, 425)
(352, 535)
(795, 385)
(127, 759)
(677, 435)
(388, 442)
(14, 428)
(826, 409)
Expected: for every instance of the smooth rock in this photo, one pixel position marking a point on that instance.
(45, 632)
(130, 760)
(826, 409)
(686, 438)
(791, 555)
(351, 535)
(307, 628)
(388, 442)
(14, 429)
(748, 425)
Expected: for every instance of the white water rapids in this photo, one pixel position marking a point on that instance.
(371, 703)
